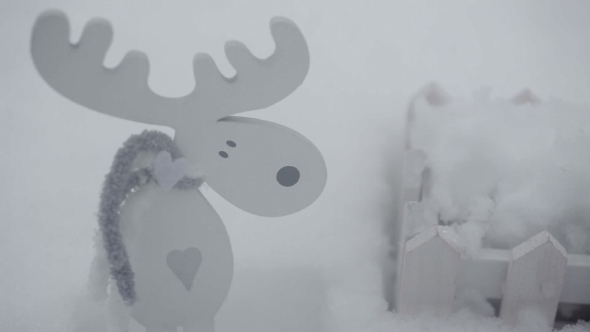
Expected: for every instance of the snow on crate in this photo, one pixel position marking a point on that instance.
(512, 169)
(508, 181)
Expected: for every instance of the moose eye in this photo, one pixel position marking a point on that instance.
(288, 176)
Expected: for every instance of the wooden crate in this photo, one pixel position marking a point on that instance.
(538, 274)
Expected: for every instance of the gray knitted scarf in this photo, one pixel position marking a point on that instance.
(119, 182)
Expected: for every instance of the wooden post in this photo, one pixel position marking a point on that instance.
(429, 273)
(410, 194)
(411, 190)
(414, 164)
(408, 214)
(535, 278)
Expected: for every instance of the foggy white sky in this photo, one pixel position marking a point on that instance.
(367, 58)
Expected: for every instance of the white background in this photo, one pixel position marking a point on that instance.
(315, 270)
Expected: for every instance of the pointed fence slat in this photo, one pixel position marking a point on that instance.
(535, 278)
(487, 274)
(428, 278)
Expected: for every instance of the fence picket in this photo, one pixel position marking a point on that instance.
(429, 273)
(535, 278)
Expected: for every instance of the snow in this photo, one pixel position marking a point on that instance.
(321, 269)
(506, 172)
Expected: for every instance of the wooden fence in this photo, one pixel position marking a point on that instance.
(538, 274)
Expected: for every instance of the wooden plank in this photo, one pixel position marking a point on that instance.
(487, 273)
(404, 224)
(410, 193)
(411, 189)
(535, 277)
(577, 280)
(414, 164)
(428, 278)
(426, 183)
(413, 174)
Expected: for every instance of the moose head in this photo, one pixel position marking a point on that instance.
(259, 166)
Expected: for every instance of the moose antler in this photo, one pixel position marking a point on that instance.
(77, 72)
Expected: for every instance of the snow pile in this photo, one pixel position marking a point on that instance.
(504, 172)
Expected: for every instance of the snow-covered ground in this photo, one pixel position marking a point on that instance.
(322, 268)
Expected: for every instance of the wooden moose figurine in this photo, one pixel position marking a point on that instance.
(167, 250)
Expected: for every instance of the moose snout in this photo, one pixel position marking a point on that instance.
(288, 176)
(265, 169)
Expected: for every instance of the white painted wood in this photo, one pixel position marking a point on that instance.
(414, 165)
(156, 223)
(180, 252)
(428, 279)
(486, 273)
(409, 208)
(426, 183)
(535, 278)
(410, 191)
(577, 280)
(245, 174)
(76, 71)
(411, 188)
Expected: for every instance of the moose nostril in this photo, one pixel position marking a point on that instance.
(288, 176)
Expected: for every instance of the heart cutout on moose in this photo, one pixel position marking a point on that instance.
(185, 265)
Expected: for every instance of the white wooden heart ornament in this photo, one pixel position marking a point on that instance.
(167, 172)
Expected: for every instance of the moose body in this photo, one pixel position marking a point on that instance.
(157, 223)
(171, 259)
